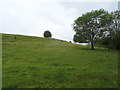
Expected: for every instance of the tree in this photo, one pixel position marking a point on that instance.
(79, 38)
(112, 39)
(116, 30)
(92, 25)
(116, 20)
(47, 34)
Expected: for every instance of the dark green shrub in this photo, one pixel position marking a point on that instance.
(47, 34)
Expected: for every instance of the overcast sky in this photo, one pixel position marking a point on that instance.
(34, 17)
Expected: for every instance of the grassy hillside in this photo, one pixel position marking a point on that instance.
(33, 62)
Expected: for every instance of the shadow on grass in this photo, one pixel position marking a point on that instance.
(95, 48)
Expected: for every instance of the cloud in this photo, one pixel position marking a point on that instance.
(59, 0)
(32, 17)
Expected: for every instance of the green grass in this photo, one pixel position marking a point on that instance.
(33, 62)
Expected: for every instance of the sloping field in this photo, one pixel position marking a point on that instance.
(34, 62)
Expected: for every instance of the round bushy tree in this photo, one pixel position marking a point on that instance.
(47, 34)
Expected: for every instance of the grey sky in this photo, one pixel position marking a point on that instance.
(33, 18)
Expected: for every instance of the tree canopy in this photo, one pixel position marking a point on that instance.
(92, 25)
(112, 40)
(47, 34)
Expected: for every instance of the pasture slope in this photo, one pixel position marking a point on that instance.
(34, 62)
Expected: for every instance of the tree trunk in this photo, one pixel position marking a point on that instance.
(15, 37)
(92, 46)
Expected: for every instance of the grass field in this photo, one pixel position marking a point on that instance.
(33, 62)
